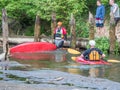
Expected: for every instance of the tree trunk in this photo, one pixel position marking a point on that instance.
(80, 42)
(91, 27)
(53, 23)
(118, 32)
(37, 29)
(112, 34)
(5, 33)
(73, 32)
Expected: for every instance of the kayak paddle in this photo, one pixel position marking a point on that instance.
(72, 51)
(113, 61)
(73, 58)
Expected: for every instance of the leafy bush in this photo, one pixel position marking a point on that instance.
(29, 31)
(117, 48)
(82, 28)
(103, 44)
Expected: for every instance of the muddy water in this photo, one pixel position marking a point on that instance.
(60, 60)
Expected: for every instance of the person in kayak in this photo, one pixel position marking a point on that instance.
(92, 54)
(60, 35)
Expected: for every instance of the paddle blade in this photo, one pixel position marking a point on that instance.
(113, 61)
(73, 58)
(72, 51)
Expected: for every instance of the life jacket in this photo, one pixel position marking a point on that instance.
(94, 55)
(59, 33)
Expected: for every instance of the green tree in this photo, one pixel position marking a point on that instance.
(25, 10)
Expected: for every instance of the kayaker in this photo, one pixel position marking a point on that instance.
(92, 54)
(60, 35)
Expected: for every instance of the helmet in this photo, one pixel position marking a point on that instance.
(59, 23)
(92, 42)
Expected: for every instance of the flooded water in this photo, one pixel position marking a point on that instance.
(57, 70)
(60, 60)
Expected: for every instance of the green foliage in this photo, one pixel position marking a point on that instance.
(29, 31)
(18, 8)
(91, 4)
(82, 29)
(25, 11)
(103, 44)
(117, 48)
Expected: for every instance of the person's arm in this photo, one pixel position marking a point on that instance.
(86, 52)
(65, 36)
(65, 33)
(96, 15)
(54, 36)
(103, 12)
(115, 8)
(101, 53)
(82, 56)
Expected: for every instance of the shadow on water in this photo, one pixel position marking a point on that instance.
(60, 60)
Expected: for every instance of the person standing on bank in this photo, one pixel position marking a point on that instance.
(60, 35)
(99, 18)
(115, 11)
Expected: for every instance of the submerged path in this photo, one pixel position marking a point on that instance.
(54, 80)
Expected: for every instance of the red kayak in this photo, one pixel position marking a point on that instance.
(83, 61)
(33, 47)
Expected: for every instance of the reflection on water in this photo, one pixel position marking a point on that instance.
(60, 60)
(96, 72)
(57, 55)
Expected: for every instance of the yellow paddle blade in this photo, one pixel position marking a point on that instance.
(72, 51)
(73, 58)
(113, 61)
